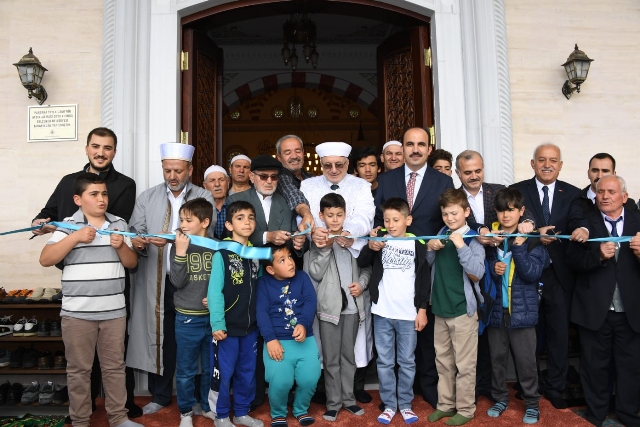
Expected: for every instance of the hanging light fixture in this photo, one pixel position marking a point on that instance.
(301, 30)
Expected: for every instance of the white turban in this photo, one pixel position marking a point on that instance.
(333, 149)
(176, 151)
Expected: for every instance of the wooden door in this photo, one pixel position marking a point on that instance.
(202, 100)
(404, 83)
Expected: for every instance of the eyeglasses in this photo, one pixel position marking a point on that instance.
(265, 177)
(329, 166)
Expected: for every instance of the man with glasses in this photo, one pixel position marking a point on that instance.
(275, 223)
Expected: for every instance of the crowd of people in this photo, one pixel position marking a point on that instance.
(363, 262)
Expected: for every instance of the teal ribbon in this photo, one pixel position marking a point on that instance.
(249, 252)
(445, 236)
(21, 230)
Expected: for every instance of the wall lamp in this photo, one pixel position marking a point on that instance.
(577, 68)
(31, 72)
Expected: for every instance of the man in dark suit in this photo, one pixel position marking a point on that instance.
(421, 186)
(550, 202)
(605, 304)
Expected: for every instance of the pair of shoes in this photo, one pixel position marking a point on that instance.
(60, 395)
(408, 416)
(362, 396)
(46, 393)
(354, 409)
(22, 296)
(330, 415)
(386, 416)
(186, 419)
(47, 295)
(14, 395)
(26, 328)
(31, 393)
(10, 298)
(44, 328)
(558, 402)
(60, 362)
(5, 358)
(496, 410)
(438, 415)
(35, 296)
(6, 325)
(305, 420)
(531, 416)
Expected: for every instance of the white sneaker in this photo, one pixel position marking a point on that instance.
(18, 328)
(185, 420)
(31, 328)
(209, 414)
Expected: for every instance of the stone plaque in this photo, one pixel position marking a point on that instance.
(53, 123)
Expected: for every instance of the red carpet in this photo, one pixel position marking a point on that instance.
(550, 417)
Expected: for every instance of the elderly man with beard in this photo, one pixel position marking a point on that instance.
(152, 347)
(216, 181)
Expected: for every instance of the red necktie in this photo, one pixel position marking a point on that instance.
(411, 185)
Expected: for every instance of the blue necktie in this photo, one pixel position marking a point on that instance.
(546, 212)
(614, 228)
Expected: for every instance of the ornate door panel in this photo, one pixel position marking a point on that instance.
(202, 100)
(404, 83)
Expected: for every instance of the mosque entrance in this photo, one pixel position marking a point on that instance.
(372, 79)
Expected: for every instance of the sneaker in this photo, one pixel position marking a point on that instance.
(31, 328)
(15, 358)
(409, 416)
(35, 296)
(497, 409)
(14, 395)
(5, 358)
(330, 415)
(248, 421)
(223, 422)
(31, 393)
(531, 416)
(354, 409)
(6, 325)
(18, 328)
(60, 362)
(186, 419)
(386, 416)
(46, 393)
(60, 395)
(45, 361)
(30, 358)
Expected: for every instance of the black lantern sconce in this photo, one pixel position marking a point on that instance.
(31, 72)
(577, 68)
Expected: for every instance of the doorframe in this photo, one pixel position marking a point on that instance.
(141, 91)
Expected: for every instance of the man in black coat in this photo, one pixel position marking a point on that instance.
(121, 190)
(605, 304)
(551, 203)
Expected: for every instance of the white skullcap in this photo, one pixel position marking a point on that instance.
(333, 149)
(391, 143)
(176, 151)
(215, 168)
(240, 157)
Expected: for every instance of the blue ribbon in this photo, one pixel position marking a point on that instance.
(21, 230)
(446, 236)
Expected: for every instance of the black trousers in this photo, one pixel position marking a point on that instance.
(555, 308)
(426, 372)
(483, 369)
(96, 372)
(614, 340)
(161, 386)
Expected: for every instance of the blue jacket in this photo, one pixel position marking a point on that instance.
(529, 263)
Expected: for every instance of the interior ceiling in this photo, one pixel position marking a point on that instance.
(336, 23)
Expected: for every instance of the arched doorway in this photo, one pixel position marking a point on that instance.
(370, 54)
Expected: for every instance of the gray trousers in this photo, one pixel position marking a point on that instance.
(339, 360)
(523, 344)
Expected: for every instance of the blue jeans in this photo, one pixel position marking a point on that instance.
(395, 338)
(193, 339)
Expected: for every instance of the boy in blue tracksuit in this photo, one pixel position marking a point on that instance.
(516, 267)
(286, 308)
(232, 307)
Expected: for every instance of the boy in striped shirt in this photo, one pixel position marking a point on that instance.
(93, 305)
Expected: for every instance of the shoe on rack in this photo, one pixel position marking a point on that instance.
(18, 328)
(31, 328)
(21, 298)
(4, 389)
(45, 361)
(60, 394)
(14, 395)
(30, 358)
(15, 359)
(57, 298)
(5, 358)
(10, 296)
(46, 393)
(56, 329)
(31, 393)
(44, 328)
(35, 296)
(47, 295)
(3, 294)
(60, 362)
(6, 325)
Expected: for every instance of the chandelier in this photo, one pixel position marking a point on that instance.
(299, 29)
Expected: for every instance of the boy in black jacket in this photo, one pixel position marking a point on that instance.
(399, 280)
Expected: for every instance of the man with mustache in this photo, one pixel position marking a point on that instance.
(100, 150)
(152, 347)
(239, 168)
(551, 203)
(290, 152)
(216, 181)
(392, 156)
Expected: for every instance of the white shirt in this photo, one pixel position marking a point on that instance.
(419, 175)
(266, 208)
(552, 188)
(176, 203)
(477, 205)
(397, 287)
(619, 224)
(591, 195)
